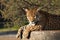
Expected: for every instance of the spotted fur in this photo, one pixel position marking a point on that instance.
(39, 20)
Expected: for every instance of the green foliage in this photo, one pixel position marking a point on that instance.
(13, 12)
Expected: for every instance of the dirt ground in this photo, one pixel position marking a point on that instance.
(8, 37)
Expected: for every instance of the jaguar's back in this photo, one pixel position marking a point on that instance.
(52, 21)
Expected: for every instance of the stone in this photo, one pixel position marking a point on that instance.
(45, 35)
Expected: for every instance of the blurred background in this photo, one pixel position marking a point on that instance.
(12, 15)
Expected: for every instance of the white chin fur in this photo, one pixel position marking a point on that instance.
(31, 24)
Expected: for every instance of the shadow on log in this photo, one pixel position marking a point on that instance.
(45, 35)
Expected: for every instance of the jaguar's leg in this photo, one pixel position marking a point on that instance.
(29, 29)
(20, 32)
(26, 33)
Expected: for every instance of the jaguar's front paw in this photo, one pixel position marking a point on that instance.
(17, 36)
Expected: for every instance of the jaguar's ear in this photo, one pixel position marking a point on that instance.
(36, 8)
(39, 9)
(25, 9)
